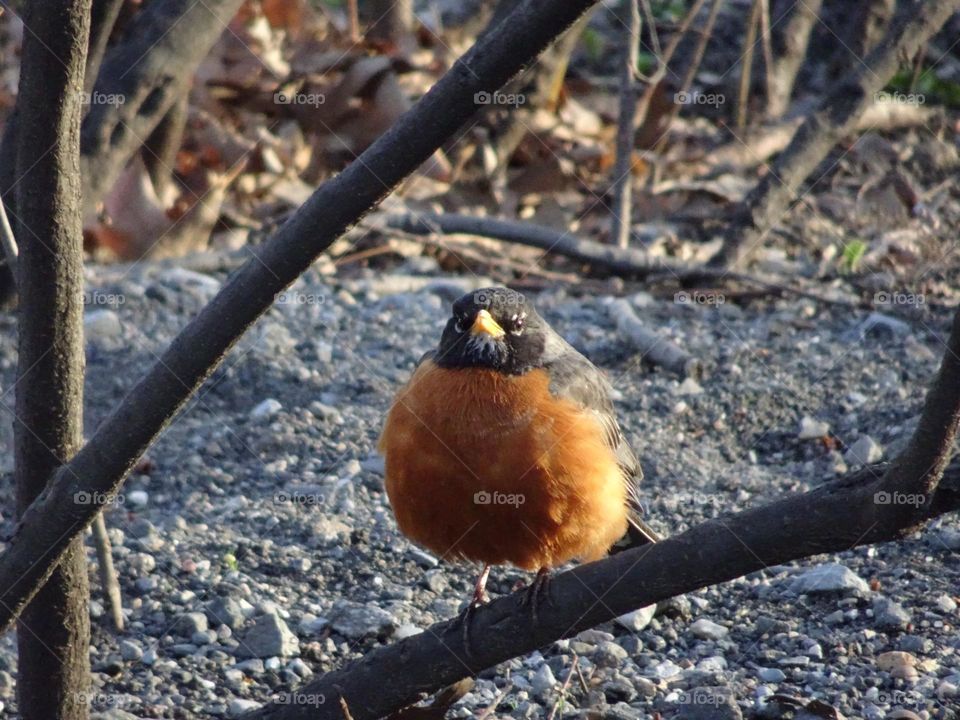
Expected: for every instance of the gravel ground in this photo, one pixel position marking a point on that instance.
(256, 547)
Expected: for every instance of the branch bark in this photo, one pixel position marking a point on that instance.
(834, 517)
(54, 519)
(54, 630)
(823, 129)
(791, 41)
(149, 69)
(622, 189)
(625, 262)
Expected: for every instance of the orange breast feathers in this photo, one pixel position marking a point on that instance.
(492, 468)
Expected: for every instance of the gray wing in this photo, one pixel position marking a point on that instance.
(574, 377)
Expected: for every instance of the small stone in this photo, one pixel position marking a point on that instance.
(899, 664)
(138, 498)
(238, 706)
(543, 681)
(100, 325)
(795, 661)
(406, 630)
(864, 451)
(889, 615)
(268, 637)
(609, 654)
(708, 630)
(130, 651)
(637, 620)
(946, 604)
(645, 687)
(266, 410)
(619, 690)
(771, 675)
(355, 620)
(902, 714)
(190, 623)
(812, 429)
(708, 703)
(225, 611)
(689, 387)
(666, 669)
(829, 578)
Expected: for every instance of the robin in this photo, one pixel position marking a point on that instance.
(503, 448)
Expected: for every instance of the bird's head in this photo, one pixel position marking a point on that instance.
(494, 328)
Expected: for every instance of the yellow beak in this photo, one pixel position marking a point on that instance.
(484, 323)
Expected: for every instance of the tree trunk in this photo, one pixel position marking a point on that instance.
(790, 42)
(391, 21)
(54, 631)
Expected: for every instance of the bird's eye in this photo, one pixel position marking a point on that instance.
(516, 325)
(458, 325)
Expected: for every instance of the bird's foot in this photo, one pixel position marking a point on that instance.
(478, 598)
(536, 593)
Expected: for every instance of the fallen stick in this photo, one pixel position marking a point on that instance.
(625, 262)
(656, 349)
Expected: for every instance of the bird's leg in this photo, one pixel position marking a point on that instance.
(479, 598)
(480, 589)
(536, 591)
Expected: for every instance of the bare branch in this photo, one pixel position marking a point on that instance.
(834, 517)
(823, 129)
(54, 638)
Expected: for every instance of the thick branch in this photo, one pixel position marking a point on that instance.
(831, 518)
(918, 469)
(54, 635)
(823, 129)
(100, 467)
(140, 79)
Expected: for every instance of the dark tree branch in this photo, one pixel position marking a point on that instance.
(919, 467)
(823, 129)
(626, 262)
(99, 468)
(621, 213)
(103, 17)
(834, 517)
(149, 69)
(54, 638)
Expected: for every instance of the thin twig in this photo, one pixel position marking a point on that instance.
(566, 686)
(10, 250)
(694, 65)
(108, 575)
(746, 67)
(766, 41)
(622, 187)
